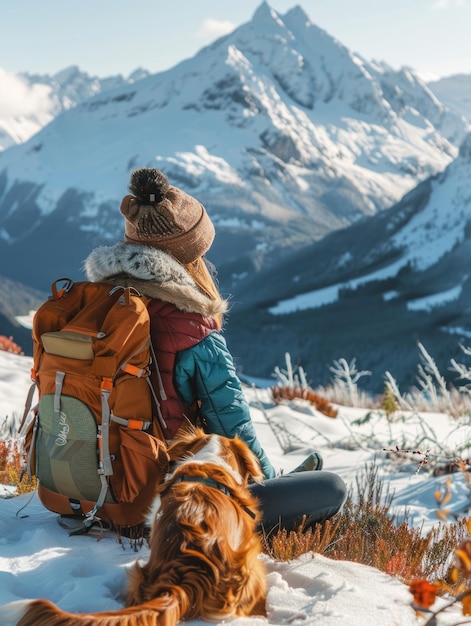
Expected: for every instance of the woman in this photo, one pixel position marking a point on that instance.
(167, 234)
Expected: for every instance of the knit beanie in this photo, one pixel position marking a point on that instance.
(165, 217)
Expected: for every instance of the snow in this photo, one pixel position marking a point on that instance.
(457, 331)
(26, 320)
(437, 299)
(81, 574)
(328, 295)
(309, 300)
(440, 226)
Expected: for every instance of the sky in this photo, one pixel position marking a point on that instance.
(107, 37)
(39, 560)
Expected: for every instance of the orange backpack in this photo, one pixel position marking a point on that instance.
(94, 444)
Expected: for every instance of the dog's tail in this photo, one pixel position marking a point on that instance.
(166, 610)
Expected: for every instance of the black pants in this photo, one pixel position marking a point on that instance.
(284, 500)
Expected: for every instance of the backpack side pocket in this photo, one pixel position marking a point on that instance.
(144, 459)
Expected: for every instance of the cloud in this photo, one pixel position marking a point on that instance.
(215, 28)
(18, 98)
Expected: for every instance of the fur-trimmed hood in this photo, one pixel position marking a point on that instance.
(153, 273)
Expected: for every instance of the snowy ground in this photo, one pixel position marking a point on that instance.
(39, 559)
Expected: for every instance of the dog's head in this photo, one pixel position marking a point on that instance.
(209, 455)
(196, 446)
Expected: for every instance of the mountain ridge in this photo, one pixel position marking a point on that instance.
(31, 101)
(284, 134)
(379, 287)
(272, 172)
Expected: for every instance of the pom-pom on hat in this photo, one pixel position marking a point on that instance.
(165, 217)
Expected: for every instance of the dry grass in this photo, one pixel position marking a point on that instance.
(11, 467)
(365, 532)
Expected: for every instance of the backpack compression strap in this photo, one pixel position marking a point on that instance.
(105, 468)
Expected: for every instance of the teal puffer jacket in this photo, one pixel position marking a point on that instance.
(206, 371)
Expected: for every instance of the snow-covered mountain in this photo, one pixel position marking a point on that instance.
(29, 102)
(455, 92)
(371, 291)
(280, 130)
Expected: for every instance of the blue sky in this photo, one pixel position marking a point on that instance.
(105, 37)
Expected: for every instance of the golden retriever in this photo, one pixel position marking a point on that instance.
(204, 547)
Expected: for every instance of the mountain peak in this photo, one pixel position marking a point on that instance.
(277, 112)
(298, 15)
(263, 9)
(265, 17)
(67, 74)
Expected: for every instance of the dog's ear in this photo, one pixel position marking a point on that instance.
(187, 439)
(249, 466)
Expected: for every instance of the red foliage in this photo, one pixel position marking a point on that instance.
(289, 393)
(424, 593)
(8, 345)
(10, 457)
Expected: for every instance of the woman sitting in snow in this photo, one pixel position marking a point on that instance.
(167, 234)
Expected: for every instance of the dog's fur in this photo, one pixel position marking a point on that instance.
(204, 548)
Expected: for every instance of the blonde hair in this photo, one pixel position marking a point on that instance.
(204, 275)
